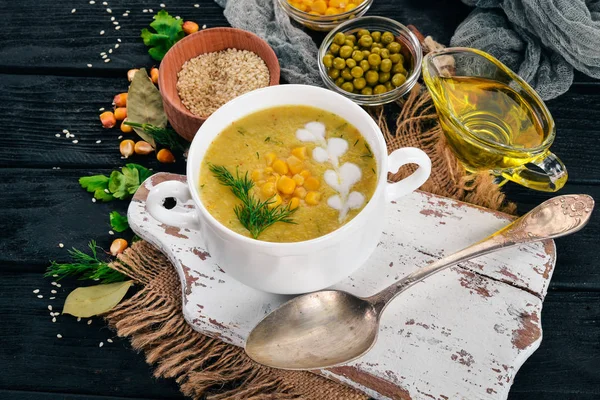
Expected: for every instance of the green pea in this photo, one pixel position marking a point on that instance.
(339, 81)
(386, 65)
(359, 83)
(394, 47)
(372, 77)
(375, 50)
(339, 38)
(334, 48)
(351, 38)
(346, 74)
(378, 45)
(395, 57)
(365, 41)
(333, 73)
(355, 47)
(357, 55)
(384, 77)
(339, 63)
(357, 72)
(364, 64)
(374, 59)
(385, 53)
(366, 53)
(346, 51)
(363, 32)
(375, 67)
(388, 85)
(349, 43)
(350, 63)
(398, 80)
(376, 36)
(367, 91)
(387, 38)
(328, 60)
(399, 69)
(348, 87)
(379, 89)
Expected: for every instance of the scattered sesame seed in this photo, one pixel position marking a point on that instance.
(36, 291)
(54, 283)
(127, 11)
(96, 279)
(78, 319)
(92, 2)
(197, 5)
(61, 246)
(108, 10)
(40, 296)
(107, 60)
(102, 32)
(117, 27)
(103, 53)
(162, 5)
(93, 199)
(111, 233)
(109, 340)
(58, 285)
(104, 56)
(56, 275)
(89, 65)
(120, 137)
(57, 135)
(119, 40)
(73, 11)
(109, 51)
(53, 291)
(49, 307)
(53, 319)
(204, 26)
(59, 336)
(106, 191)
(65, 131)
(117, 46)
(177, 17)
(101, 109)
(98, 141)
(104, 3)
(151, 10)
(112, 18)
(145, 10)
(100, 344)
(75, 141)
(89, 322)
(52, 298)
(115, 22)
(125, 15)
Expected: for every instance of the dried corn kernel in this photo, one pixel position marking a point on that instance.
(154, 75)
(131, 74)
(312, 198)
(312, 183)
(108, 119)
(294, 203)
(349, 7)
(165, 156)
(270, 157)
(190, 27)
(319, 6)
(127, 148)
(299, 179)
(299, 152)
(143, 148)
(125, 128)
(276, 201)
(121, 113)
(118, 246)
(256, 175)
(300, 193)
(295, 164)
(268, 189)
(286, 185)
(120, 100)
(280, 167)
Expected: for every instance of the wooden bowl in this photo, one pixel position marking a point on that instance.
(206, 41)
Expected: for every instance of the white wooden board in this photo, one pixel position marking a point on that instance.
(462, 334)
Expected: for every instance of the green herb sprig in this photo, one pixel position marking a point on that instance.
(119, 185)
(253, 214)
(163, 136)
(167, 31)
(85, 266)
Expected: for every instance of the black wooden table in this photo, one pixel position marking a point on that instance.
(46, 86)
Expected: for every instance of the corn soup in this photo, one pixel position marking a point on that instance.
(302, 160)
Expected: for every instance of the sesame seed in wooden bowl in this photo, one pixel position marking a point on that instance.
(196, 83)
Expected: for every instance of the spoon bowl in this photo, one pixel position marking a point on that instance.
(302, 342)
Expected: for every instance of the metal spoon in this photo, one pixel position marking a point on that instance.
(331, 327)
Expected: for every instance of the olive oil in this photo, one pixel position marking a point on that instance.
(488, 124)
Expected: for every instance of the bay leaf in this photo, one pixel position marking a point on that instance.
(144, 105)
(95, 300)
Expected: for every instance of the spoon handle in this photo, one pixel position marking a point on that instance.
(559, 216)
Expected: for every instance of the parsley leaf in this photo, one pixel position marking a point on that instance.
(120, 185)
(168, 31)
(118, 222)
(144, 172)
(97, 184)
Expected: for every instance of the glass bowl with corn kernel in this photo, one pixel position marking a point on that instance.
(324, 15)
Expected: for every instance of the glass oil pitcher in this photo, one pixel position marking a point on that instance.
(492, 119)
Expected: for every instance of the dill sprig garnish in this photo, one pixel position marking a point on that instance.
(85, 266)
(254, 215)
(163, 136)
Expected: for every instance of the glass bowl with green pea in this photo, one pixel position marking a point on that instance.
(370, 60)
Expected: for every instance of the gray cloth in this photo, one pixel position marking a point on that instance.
(296, 50)
(541, 40)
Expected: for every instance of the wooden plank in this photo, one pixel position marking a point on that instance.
(44, 34)
(565, 365)
(39, 107)
(8, 394)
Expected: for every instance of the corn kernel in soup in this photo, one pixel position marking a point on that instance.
(298, 157)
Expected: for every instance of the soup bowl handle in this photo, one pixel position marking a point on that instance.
(182, 215)
(400, 157)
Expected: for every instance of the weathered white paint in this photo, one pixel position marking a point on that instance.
(463, 333)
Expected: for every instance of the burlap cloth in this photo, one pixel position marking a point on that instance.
(208, 368)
